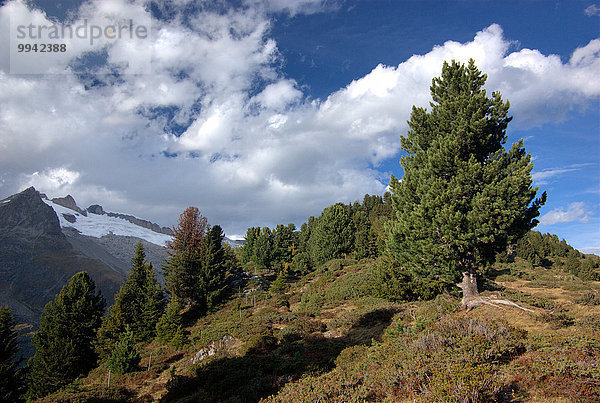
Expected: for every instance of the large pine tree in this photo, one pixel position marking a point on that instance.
(138, 305)
(63, 343)
(463, 196)
(10, 382)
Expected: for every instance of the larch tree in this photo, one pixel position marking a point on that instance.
(63, 343)
(463, 196)
(184, 265)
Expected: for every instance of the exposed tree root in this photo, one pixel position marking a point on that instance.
(472, 299)
(477, 301)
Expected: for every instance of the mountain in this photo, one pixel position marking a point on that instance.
(43, 242)
(110, 237)
(37, 259)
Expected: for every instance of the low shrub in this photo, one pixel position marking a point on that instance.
(556, 320)
(91, 393)
(453, 359)
(589, 298)
(538, 302)
(560, 371)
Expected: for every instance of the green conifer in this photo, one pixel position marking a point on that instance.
(63, 343)
(10, 382)
(124, 357)
(463, 197)
(138, 304)
(170, 321)
(214, 268)
(182, 268)
(333, 234)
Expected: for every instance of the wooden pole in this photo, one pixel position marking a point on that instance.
(108, 385)
(149, 362)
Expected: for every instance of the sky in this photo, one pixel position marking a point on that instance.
(265, 112)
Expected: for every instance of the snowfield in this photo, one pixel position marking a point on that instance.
(99, 225)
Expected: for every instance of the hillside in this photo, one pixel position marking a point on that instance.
(326, 337)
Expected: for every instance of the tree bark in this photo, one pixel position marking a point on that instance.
(469, 288)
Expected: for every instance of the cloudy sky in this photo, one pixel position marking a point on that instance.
(265, 112)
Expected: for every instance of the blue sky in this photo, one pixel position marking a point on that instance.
(265, 112)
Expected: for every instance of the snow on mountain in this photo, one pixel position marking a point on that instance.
(96, 225)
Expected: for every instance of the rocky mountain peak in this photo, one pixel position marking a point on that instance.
(69, 202)
(27, 212)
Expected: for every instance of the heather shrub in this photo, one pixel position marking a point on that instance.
(452, 359)
(589, 298)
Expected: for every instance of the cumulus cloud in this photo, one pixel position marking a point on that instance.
(55, 178)
(217, 125)
(575, 212)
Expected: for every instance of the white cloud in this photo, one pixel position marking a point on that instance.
(292, 7)
(575, 212)
(279, 95)
(544, 177)
(255, 150)
(591, 249)
(56, 179)
(592, 10)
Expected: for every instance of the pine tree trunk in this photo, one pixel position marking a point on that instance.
(469, 288)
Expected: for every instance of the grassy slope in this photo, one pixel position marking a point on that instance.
(326, 339)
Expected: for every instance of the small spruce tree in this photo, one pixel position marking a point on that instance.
(170, 322)
(138, 304)
(280, 285)
(124, 357)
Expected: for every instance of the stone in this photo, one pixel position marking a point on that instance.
(70, 218)
(95, 209)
